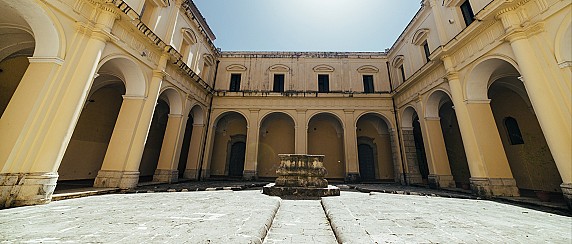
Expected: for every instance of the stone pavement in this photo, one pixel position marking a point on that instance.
(246, 216)
(300, 221)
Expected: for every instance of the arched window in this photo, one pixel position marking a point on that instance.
(513, 131)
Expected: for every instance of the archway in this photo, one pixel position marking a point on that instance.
(192, 143)
(524, 143)
(229, 133)
(276, 137)
(86, 150)
(326, 137)
(417, 167)
(374, 148)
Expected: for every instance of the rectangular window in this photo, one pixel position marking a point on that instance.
(402, 70)
(234, 82)
(368, 84)
(278, 83)
(147, 13)
(426, 50)
(467, 12)
(323, 83)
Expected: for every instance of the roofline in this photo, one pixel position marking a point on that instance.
(202, 21)
(270, 54)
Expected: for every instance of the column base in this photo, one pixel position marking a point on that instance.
(249, 175)
(414, 178)
(22, 189)
(488, 187)
(352, 178)
(441, 181)
(205, 174)
(166, 175)
(117, 179)
(191, 174)
(567, 193)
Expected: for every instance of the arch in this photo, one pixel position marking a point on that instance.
(198, 114)
(407, 116)
(336, 116)
(397, 61)
(323, 68)
(434, 101)
(419, 36)
(368, 69)
(325, 136)
(221, 115)
(229, 128)
(208, 59)
(236, 67)
(264, 116)
(48, 33)
(279, 68)
(126, 69)
(17, 40)
(189, 35)
(562, 47)
(484, 72)
(173, 98)
(277, 136)
(382, 116)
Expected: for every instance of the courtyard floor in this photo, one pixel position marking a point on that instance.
(247, 216)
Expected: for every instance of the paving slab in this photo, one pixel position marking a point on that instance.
(392, 218)
(300, 221)
(177, 217)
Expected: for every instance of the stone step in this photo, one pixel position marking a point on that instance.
(300, 221)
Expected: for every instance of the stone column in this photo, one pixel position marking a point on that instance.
(251, 157)
(350, 146)
(37, 125)
(550, 107)
(301, 140)
(488, 164)
(412, 173)
(168, 159)
(191, 171)
(440, 171)
(397, 167)
(121, 163)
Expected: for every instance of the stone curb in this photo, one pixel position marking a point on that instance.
(415, 193)
(183, 189)
(72, 195)
(346, 228)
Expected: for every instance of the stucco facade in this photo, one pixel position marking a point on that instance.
(473, 94)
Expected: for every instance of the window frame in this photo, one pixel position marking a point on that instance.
(513, 131)
(467, 13)
(426, 50)
(282, 85)
(326, 83)
(232, 86)
(371, 81)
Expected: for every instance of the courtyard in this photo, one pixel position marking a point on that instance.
(222, 215)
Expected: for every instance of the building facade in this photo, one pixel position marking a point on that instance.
(473, 94)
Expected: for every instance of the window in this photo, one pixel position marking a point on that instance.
(514, 135)
(368, 84)
(234, 82)
(323, 83)
(402, 70)
(278, 83)
(467, 12)
(426, 50)
(147, 13)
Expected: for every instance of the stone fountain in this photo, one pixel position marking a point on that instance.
(301, 176)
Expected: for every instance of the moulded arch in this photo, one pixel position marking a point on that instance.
(419, 36)
(368, 69)
(377, 114)
(173, 97)
(434, 102)
(407, 116)
(397, 61)
(48, 33)
(198, 113)
(562, 47)
(128, 71)
(268, 114)
(279, 68)
(227, 112)
(189, 35)
(236, 67)
(323, 68)
(334, 115)
(484, 72)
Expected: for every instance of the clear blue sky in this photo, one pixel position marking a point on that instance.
(307, 25)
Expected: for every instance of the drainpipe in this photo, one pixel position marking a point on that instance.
(396, 126)
(207, 125)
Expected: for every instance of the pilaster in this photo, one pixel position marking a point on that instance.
(251, 157)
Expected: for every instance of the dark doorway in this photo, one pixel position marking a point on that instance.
(420, 150)
(185, 147)
(236, 162)
(366, 162)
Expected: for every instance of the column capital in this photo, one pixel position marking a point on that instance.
(54, 60)
(433, 118)
(159, 74)
(301, 110)
(484, 101)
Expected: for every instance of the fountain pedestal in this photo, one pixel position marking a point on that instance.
(301, 176)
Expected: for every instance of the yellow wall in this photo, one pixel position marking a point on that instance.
(366, 127)
(13, 70)
(531, 163)
(276, 137)
(154, 140)
(324, 139)
(228, 126)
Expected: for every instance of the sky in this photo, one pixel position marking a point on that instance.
(307, 25)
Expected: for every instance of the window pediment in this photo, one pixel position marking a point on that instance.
(420, 36)
(189, 35)
(368, 69)
(236, 67)
(397, 61)
(323, 68)
(279, 68)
